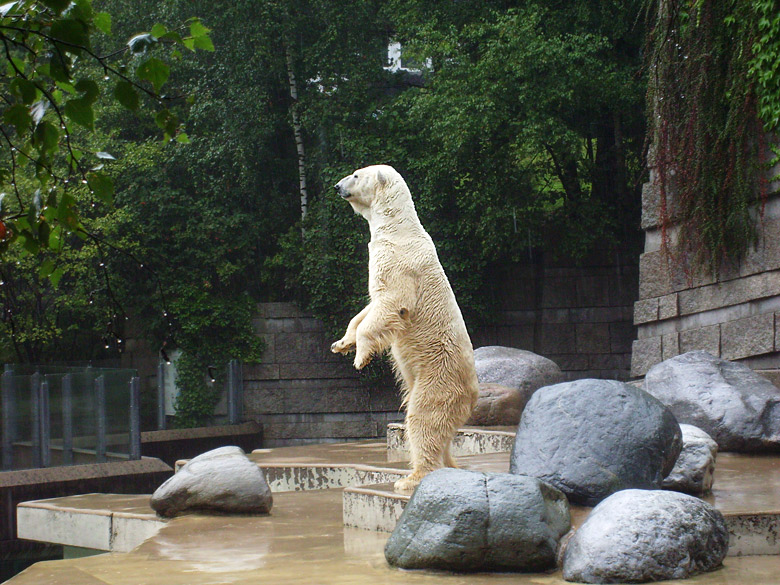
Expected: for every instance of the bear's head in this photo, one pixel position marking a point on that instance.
(374, 190)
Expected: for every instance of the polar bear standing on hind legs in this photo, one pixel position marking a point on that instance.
(414, 313)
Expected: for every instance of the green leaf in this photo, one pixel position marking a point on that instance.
(65, 86)
(125, 94)
(198, 29)
(204, 43)
(56, 276)
(89, 88)
(74, 33)
(189, 42)
(19, 117)
(155, 71)
(80, 111)
(46, 137)
(102, 22)
(102, 186)
(158, 30)
(56, 5)
(23, 89)
(183, 138)
(46, 268)
(59, 66)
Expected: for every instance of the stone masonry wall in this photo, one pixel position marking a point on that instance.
(682, 308)
(579, 316)
(301, 392)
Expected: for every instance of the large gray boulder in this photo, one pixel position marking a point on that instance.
(635, 536)
(223, 480)
(735, 406)
(694, 470)
(462, 520)
(522, 370)
(592, 438)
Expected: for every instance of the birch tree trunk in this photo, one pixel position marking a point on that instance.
(298, 134)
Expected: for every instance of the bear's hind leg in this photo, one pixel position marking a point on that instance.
(430, 431)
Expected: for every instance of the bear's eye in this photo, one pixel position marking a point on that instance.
(355, 177)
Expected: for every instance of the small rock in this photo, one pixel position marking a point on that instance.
(522, 370)
(462, 520)
(223, 480)
(635, 536)
(592, 438)
(735, 406)
(497, 406)
(694, 470)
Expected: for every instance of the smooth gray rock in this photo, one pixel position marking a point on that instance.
(735, 406)
(223, 480)
(522, 370)
(694, 470)
(592, 438)
(635, 536)
(461, 520)
(497, 406)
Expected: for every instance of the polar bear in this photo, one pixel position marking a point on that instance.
(412, 311)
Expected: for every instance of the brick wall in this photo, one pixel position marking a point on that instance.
(579, 316)
(301, 392)
(682, 308)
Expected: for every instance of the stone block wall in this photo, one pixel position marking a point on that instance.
(579, 316)
(301, 392)
(682, 308)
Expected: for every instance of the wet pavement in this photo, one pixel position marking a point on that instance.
(303, 540)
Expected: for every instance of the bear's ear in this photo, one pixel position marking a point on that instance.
(381, 179)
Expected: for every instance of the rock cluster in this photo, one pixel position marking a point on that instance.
(592, 438)
(469, 521)
(223, 480)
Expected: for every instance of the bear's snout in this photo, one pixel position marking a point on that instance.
(340, 190)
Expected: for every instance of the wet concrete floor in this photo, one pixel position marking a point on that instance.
(302, 541)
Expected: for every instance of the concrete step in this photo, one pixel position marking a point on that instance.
(468, 441)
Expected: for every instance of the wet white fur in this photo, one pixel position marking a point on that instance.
(412, 312)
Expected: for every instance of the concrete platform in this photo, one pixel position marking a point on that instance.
(318, 489)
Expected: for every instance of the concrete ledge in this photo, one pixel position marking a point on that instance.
(469, 441)
(105, 522)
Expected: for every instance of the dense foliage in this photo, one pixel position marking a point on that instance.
(714, 91)
(520, 130)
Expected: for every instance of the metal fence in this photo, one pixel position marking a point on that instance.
(62, 416)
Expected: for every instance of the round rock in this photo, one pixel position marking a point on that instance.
(223, 480)
(460, 520)
(592, 438)
(735, 406)
(635, 536)
(522, 370)
(497, 406)
(694, 470)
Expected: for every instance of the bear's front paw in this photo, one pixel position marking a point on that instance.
(342, 346)
(407, 484)
(362, 360)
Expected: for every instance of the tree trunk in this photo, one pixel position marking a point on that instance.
(297, 131)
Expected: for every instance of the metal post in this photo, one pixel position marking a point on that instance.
(135, 418)
(100, 395)
(161, 395)
(45, 417)
(67, 419)
(9, 417)
(231, 392)
(35, 416)
(239, 392)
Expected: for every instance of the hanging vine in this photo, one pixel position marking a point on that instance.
(714, 95)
